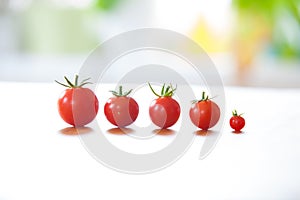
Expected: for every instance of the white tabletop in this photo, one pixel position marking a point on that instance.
(38, 161)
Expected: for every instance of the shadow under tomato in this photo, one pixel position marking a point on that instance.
(120, 131)
(237, 132)
(75, 130)
(204, 132)
(164, 131)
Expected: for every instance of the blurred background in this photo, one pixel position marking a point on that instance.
(252, 42)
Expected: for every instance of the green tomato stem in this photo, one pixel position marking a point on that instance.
(120, 93)
(165, 91)
(204, 98)
(75, 84)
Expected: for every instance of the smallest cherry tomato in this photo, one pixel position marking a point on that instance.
(237, 122)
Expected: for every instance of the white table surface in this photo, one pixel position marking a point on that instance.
(38, 162)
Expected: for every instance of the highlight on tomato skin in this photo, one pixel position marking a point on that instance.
(204, 113)
(121, 110)
(77, 106)
(164, 111)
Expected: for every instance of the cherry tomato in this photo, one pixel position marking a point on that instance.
(77, 106)
(164, 111)
(204, 113)
(121, 110)
(237, 122)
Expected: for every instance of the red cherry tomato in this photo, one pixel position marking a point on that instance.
(204, 113)
(121, 110)
(237, 122)
(77, 106)
(164, 111)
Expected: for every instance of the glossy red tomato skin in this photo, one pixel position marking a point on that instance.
(121, 111)
(237, 123)
(164, 112)
(205, 114)
(78, 106)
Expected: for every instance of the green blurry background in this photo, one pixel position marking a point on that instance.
(249, 40)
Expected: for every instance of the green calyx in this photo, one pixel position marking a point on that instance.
(75, 84)
(166, 91)
(204, 98)
(235, 114)
(120, 93)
